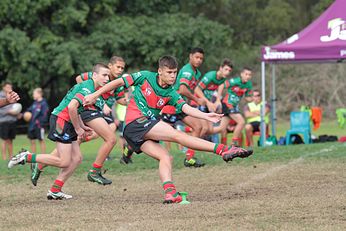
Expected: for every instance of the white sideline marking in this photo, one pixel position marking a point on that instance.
(276, 169)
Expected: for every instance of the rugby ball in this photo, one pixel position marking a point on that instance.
(27, 116)
(16, 108)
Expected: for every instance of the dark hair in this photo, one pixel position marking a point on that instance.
(168, 61)
(227, 62)
(98, 66)
(246, 69)
(196, 50)
(115, 59)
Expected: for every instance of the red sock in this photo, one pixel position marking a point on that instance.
(219, 148)
(30, 158)
(169, 187)
(96, 167)
(57, 186)
(40, 166)
(224, 140)
(190, 153)
(188, 129)
(236, 141)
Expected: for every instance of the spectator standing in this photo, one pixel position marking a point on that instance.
(7, 123)
(39, 111)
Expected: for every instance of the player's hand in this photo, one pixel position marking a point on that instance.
(89, 99)
(86, 128)
(213, 117)
(12, 97)
(106, 110)
(87, 132)
(81, 133)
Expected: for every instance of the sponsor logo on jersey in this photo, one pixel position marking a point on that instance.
(239, 91)
(148, 91)
(137, 74)
(160, 102)
(86, 90)
(186, 74)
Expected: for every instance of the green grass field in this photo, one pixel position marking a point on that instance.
(297, 187)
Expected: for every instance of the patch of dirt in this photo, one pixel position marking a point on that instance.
(304, 196)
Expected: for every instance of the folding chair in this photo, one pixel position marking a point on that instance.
(299, 124)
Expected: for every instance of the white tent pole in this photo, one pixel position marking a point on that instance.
(273, 102)
(263, 125)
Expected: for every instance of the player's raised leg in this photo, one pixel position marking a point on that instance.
(228, 153)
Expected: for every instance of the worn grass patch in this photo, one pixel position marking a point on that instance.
(299, 187)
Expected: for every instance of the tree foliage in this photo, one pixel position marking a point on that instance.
(46, 42)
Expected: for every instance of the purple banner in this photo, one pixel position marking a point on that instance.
(324, 39)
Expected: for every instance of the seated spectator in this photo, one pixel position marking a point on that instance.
(252, 113)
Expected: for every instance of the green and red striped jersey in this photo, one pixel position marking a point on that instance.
(209, 83)
(236, 89)
(148, 96)
(188, 77)
(109, 97)
(78, 92)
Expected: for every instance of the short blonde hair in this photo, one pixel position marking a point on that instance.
(39, 91)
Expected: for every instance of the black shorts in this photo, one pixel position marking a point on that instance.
(8, 130)
(172, 118)
(89, 115)
(203, 109)
(109, 118)
(61, 131)
(135, 131)
(36, 134)
(256, 126)
(230, 109)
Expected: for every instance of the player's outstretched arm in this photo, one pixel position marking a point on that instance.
(91, 99)
(184, 91)
(212, 117)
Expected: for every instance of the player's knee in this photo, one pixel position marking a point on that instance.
(166, 158)
(64, 163)
(78, 159)
(248, 127)
(241, 123)
(111, 140)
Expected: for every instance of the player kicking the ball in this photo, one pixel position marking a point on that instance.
(144, 129)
